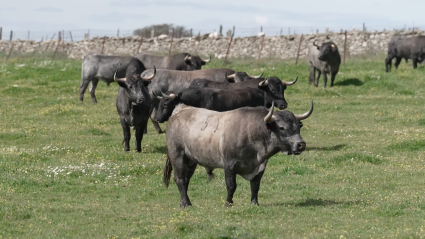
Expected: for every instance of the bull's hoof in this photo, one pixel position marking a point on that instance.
(185, 205)
(228, 204)
(255, 203)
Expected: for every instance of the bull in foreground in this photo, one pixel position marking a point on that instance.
(133, 106)
(97, 67)
(407, 48)
(180, 62)
(325, 59)
(239, 141)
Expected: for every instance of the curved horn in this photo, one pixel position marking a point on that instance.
(232, 76)
(314, 44)
(158, 97)
(290, 83)
(269, 117)
(256, 77)
(264, 82)
(187, 58)
(120, 79)
(170, 97)
(151, 77)
(307, 114)
(205, 60)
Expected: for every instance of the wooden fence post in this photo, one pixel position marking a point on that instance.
(57, 45)
(171, 43)
(140, 44)
(299, 47)
(261, 47)
(345, 45)
(11, 35)
(10, 52)
(228, 47)
(1, 32)
(48, 44)
(103, 44)
(70, 34)
(28, 35)
(118, 32)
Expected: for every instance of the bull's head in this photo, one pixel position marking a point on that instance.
(167, 103)
(274, 91)
(136, 87)
(195, 62)
(326, 50)
(285, 128)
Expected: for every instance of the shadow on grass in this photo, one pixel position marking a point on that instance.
(160, 149)
(333, 148)
(311, 202)
(350, 81)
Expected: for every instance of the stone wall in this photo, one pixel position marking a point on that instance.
(283, 47)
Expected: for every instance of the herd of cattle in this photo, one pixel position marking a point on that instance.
(217, 118)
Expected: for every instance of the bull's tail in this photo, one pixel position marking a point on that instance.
(167, 172)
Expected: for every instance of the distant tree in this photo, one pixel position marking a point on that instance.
(179, 31)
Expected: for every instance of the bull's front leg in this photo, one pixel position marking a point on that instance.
(325, 78)
(312, 75)
(333, 75)
(397, 62)
(155, 124)
(255, 187)
(415, 63)
(139, 135)
(127, 135)
(316, 81)
(230, 178)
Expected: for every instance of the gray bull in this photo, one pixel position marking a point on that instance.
(177, 81)
(181, 62)
(219, 100)
(325, 59)
(407, 48)
(100, 67)
(133, 106)
(239, 141)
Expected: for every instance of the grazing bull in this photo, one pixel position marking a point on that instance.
(239, 141)
(219, 100)
(407, 48)
(133, 106)
(180, 62)
(97, 67)
(325, 59)
(177, 81)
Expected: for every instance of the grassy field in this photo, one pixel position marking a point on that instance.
(64, 174)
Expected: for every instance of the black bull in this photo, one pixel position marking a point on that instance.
(219, 100)
(407, 48)
(239, 141)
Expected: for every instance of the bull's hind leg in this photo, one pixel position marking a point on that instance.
(325, 78)
(230, 177)
(183, 171)
(155, 124)
(255, 187)
(312, 75)
(210, 173)
(93, 89)
(397, 62)
(83, 86)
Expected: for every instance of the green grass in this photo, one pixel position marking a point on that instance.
(64, 174)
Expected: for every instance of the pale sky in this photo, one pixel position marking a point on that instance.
(43, 17)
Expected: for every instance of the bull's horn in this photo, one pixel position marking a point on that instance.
(171, 96)
(256, 77)
(187, 58)
(206, 61)
(269, 117)
(264, 82)
(158, 97)
(290, 83)
(120, 79)
(314, 43)
(307, 114)
(232, 76)
(151, 77)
